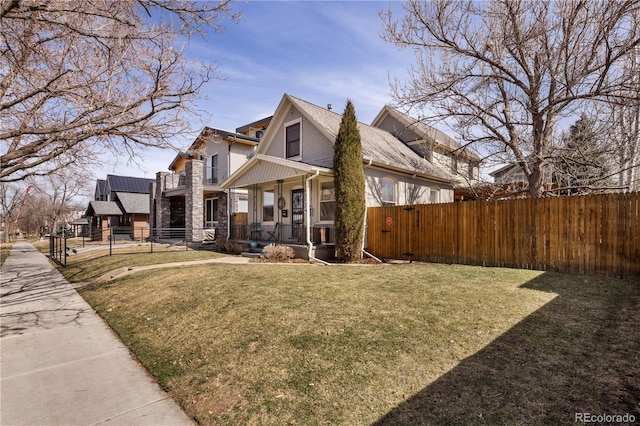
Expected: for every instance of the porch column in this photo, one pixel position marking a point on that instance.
(194, 214)
(160, 205)
(223, 215)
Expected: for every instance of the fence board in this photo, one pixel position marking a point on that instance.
(597, 235)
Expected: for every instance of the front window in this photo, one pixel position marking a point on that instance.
(388, 191)
(434, 196)
(293, 140)
(210, 211)
(267, 205)
(327, 201)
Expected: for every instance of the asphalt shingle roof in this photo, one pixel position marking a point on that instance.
(103, 208)
(133, 203)
(377, 145)
(128, 184)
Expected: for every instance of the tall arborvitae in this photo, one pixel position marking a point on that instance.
(349, 188)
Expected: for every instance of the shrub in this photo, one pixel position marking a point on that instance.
(228, 246)
(278, 253)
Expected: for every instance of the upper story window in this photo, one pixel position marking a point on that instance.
(327, 201)
(388, 191)
(211, 170)
(454, 163)
(292, 140)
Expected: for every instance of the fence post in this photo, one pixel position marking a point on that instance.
(110, 241)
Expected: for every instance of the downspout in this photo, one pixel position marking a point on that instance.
(307, 213)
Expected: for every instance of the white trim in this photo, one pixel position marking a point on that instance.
(394, 182)
(319, 201)
(435, 189)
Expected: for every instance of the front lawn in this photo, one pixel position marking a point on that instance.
(393, 344)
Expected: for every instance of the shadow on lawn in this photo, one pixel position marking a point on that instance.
(580, 353)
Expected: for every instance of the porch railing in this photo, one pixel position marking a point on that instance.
(284, 233)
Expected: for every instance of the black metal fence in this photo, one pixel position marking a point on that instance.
(58, 249)
(138, 240)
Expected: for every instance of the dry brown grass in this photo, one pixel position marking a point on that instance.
(393, 344)
(5, 249)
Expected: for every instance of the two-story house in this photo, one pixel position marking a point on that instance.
(120, 208)
(290, 178)
(189, 201)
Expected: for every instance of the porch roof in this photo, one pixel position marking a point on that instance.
(103, 208)
(263, 168)
(133, 203)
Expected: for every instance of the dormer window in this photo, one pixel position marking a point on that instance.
(292, 140)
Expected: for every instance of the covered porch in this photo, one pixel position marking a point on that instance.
(290, 203)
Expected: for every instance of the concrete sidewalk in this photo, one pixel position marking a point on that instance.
(59, 363)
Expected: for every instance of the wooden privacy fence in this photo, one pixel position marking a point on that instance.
(594, 235)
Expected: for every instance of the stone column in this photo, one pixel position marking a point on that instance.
(194, 220)
(223, 215)
(162, 210)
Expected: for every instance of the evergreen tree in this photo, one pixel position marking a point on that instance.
(582, 164)
(349, 188)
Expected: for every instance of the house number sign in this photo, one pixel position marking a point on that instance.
(389, 221)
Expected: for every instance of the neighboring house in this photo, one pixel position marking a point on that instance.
(120, 208)
(510, 181)
(432, 144)
(189, 202)
(511, 173)
(290, 178)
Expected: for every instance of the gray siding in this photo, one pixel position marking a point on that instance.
(316, 148)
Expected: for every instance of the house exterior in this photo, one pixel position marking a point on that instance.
(289, 180)
(120, 208)
(432, 144)
(189, 201)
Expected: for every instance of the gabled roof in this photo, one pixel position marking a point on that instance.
(101, 188)
(133, 203)
(103, 208)
(378, 146)
(266, 168)
(208, 132)
(128, 184)
(258, 124)
(424, 131)
(504, 169)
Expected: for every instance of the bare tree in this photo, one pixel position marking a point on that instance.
(623, 129)
(78, 77)
(503, 73)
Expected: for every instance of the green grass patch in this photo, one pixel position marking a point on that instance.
(88, 266)
(393, 344)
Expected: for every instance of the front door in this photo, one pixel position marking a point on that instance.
(297, 215)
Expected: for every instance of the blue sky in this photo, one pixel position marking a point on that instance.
(324, 52)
